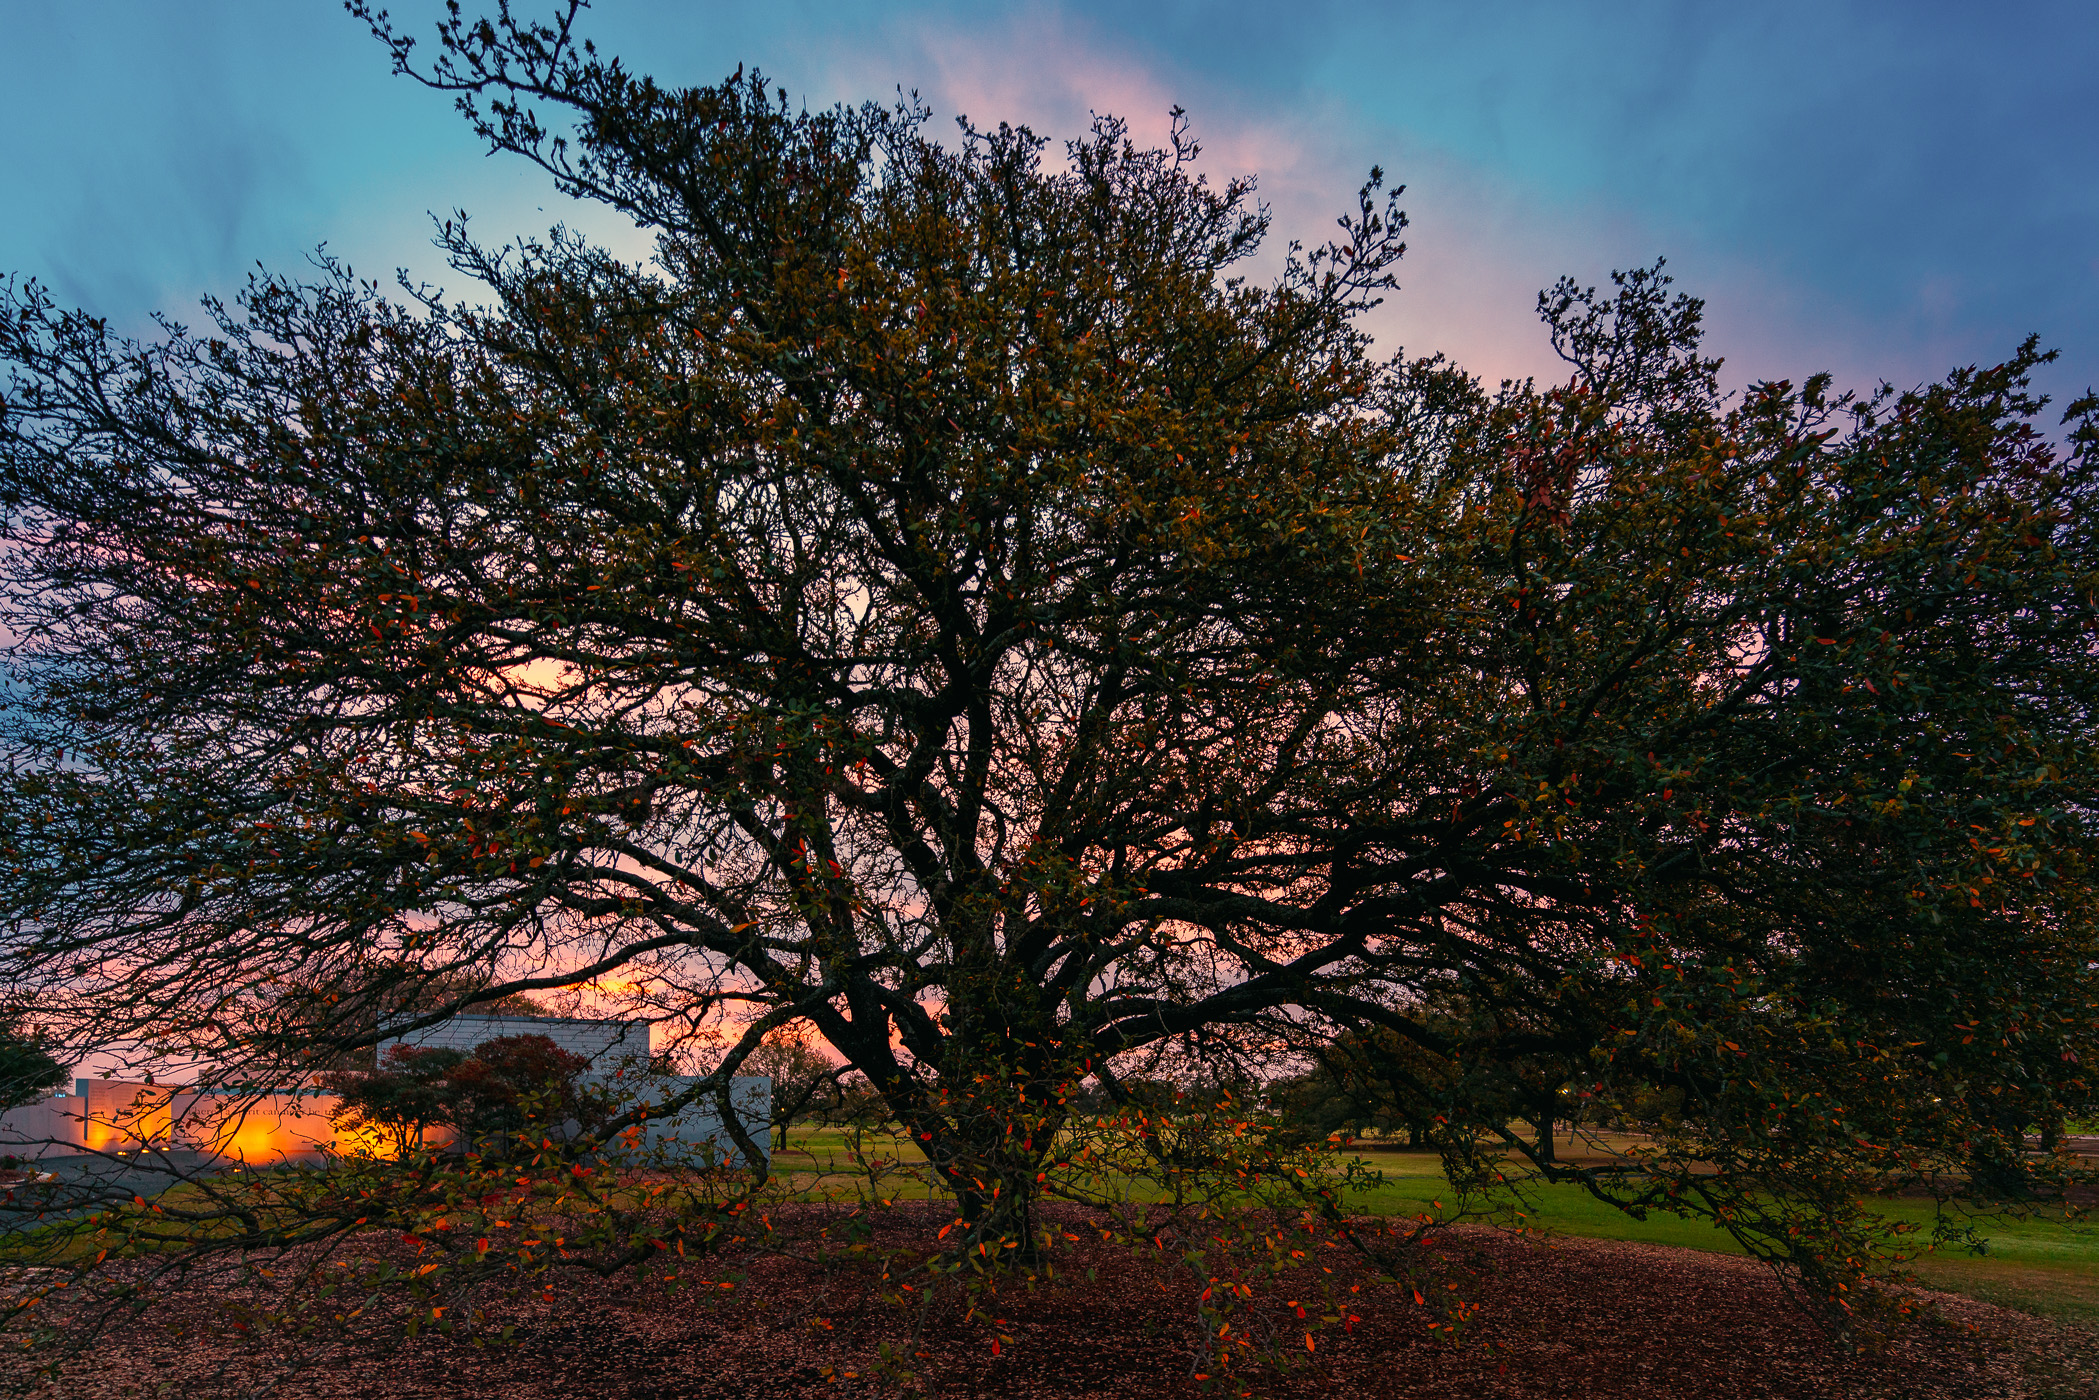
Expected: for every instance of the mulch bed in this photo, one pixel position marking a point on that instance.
(1571, 1317)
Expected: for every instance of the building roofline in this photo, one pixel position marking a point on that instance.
(561, 1020)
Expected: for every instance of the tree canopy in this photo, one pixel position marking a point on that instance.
(506, 1084)
(27, 1070)
(942, 601)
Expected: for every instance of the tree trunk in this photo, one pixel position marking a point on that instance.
(991, 1172)
(1997, 1162)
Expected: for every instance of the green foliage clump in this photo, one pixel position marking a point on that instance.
(27, 1070)
(486, 1097)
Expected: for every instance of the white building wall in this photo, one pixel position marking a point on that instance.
(50, 1128)
(611, 1046)
(604, 1043)
(112, 1116)
(695, 1134)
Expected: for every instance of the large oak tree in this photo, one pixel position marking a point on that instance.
(941, 601)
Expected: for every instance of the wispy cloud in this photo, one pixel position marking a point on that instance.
(1914, 196)
(1478, 252)
(1483, 241)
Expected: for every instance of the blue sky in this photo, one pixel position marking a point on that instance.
(1882, 191)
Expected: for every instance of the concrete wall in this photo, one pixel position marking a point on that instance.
(264, 1130)
(115, 1117)
(613, 1047)
(696, 1133)
(270, 1129)
(604, 1043)
(47, 1129)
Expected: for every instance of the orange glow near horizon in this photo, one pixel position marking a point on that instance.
(261, 1131)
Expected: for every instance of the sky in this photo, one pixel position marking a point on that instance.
(1881, 191)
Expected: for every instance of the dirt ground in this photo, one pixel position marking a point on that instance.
(1594, 1319)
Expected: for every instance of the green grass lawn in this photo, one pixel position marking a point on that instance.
(2038, 1265)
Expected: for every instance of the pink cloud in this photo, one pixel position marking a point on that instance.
(1477, 255)
(1480, 247)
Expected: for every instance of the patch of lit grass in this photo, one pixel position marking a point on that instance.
(2035, 1262)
